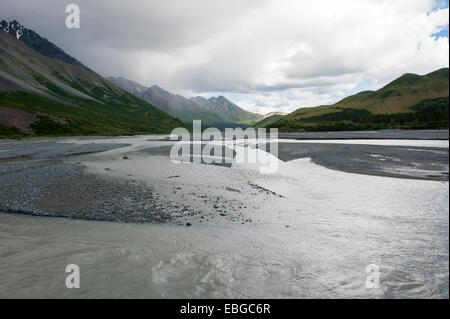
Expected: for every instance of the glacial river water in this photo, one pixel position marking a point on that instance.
(315, 241)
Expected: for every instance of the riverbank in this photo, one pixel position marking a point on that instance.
(374, 134)
(131, 179)
(304, 232)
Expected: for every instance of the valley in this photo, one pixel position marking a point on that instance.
(111, 174)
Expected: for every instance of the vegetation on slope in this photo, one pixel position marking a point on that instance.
(409, 102)
(69, 100)
(268, 121)
(428, 114)
(90, 118)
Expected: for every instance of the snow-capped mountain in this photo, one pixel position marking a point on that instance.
(38, 43)
(14, 28)
(46, 96)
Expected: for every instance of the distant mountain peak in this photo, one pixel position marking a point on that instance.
(156, 87)
(14, 28)
(158, 90)
(200, 100)
(213, 111)
(38, 43)
(226, 109)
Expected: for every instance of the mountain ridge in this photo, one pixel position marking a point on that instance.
(410, 101)
(215, 111)
(227, 109)
(38, 43)
(179, 106)
(132, 87)
(42, 96)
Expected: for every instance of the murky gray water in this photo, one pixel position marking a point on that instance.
(316, 241)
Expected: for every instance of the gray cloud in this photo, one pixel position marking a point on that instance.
(267, 55)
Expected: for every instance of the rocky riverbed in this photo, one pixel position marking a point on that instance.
(303, 231)
(133, 180)
(51, 178)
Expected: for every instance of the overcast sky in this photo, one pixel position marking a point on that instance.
(265, 55)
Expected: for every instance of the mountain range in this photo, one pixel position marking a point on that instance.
(215, 111)
(227, 109)
(45, 92)
(180, 107)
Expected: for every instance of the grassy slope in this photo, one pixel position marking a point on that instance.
(401, 94)
(268, 121)
(105, 109)
(398, 97)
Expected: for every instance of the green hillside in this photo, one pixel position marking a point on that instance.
(46, 96)
(409, 102)
(266, 122)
